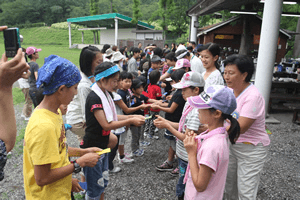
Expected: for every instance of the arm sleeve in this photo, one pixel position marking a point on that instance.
(179, 99)
(193, 122)
(82, 94)
(209, 156)
(43, 146)
(94, 103)
(253, 107)
(35, 67)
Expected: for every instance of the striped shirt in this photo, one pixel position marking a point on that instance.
(191, 122)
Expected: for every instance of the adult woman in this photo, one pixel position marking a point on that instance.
(209, 57)
(90, 57)
(33, 55)
(248, 155)
(173, 49)
(118, 60)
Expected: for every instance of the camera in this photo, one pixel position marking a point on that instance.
(12, 41)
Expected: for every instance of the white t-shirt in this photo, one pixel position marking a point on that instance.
(197, 65)
(76, 109)
(215, 78)
(118, 97)
(23, 83)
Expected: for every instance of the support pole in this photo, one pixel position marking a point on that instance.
(267, 48)
(70, 36)
(193, 34)
(116, 32)
(82, 37)
(94, 37)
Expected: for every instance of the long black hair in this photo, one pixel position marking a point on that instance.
(86, 58)
(214, 49)
(234, 130)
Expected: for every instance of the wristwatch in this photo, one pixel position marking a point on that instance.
(77, 168)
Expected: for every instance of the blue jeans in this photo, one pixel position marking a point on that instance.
(3, 159)
(97, 178)
(180, 187)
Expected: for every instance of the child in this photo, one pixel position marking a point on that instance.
(209, 152)
(10, 72)
(125, 105)
(155, 65)
(192, 84)
(138, 99)
(173, 111)
(46, 167)
(101, 118)
(154, 92)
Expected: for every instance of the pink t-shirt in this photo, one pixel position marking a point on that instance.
(214, 153)
(251, 104)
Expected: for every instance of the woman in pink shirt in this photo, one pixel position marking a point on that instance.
(248, 156)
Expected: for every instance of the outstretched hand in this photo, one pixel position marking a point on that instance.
(160, 122)
(138, 120)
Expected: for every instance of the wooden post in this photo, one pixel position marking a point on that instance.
(94, 37)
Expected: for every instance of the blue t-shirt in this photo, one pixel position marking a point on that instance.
(150, 70)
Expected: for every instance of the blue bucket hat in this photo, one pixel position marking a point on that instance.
(56, 72)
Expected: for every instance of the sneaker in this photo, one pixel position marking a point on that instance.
(26, 118)
(115, 170)
(145, 144)
(156, 130)
(152, 137)
(175, 172)
(165, 167)
(126, 160)
(138, 152)
(128, 155)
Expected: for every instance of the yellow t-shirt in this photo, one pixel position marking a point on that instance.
(45, 143)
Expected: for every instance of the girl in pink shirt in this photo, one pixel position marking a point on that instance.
(208, 153)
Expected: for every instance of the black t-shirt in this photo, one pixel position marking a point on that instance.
(176, 115)
(136, 101)
(94, 136)
(34, 67)
(125, 97)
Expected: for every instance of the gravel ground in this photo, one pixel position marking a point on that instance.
(140, 180)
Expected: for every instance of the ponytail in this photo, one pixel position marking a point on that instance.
(234, 130)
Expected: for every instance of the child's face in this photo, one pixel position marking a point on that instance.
(118, 85)
(156, 65)
(189, 92)
(126, 84)
(139, 90)
(170, 63)
(69, 93)
(205, 116)
(98, 59)
(111, 83)
(63, 108)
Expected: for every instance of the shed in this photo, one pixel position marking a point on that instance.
(228, 34)
(113, 26)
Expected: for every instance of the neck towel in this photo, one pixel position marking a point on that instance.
(184, 114)
(199, 138)
(108, 104)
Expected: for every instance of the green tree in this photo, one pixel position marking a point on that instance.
(136, 12)
(94, 7)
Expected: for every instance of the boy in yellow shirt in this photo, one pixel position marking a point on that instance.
(46, 167)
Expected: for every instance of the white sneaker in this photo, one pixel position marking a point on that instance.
(22, 116)
(115, 170)
(26, 118)
(128, 155)
(126, 160)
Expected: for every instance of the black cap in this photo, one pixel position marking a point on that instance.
(155, 58)
(136, 83)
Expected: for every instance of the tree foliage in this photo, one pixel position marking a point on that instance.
(136, 12)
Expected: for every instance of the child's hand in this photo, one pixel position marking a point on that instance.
(163, 85)
(88, 160)
(75, 185)
(92, 150)
(154, 106)
(160, 122)
(138, 120)
(190, 143)
(169, 97)
(11, 71)
(145, 106)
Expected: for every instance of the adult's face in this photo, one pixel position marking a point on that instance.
(208, 59)
(233, 77)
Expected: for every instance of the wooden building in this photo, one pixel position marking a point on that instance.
(228, 35)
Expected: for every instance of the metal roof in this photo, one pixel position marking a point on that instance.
(107, 20)
(205, 30)
(205, 7)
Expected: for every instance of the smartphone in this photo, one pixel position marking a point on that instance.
(12, 41)
(163, 60)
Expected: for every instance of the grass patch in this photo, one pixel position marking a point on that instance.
(18, 149)
(18, 96)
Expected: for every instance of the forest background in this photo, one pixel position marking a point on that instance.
(167, 15)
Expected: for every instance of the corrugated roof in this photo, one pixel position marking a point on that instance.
(105, 20)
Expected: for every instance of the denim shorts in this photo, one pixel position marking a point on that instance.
(180, 187)
(96, 178)
(169, 135)
(3, 159)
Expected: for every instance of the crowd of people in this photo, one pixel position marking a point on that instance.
(215, 134)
